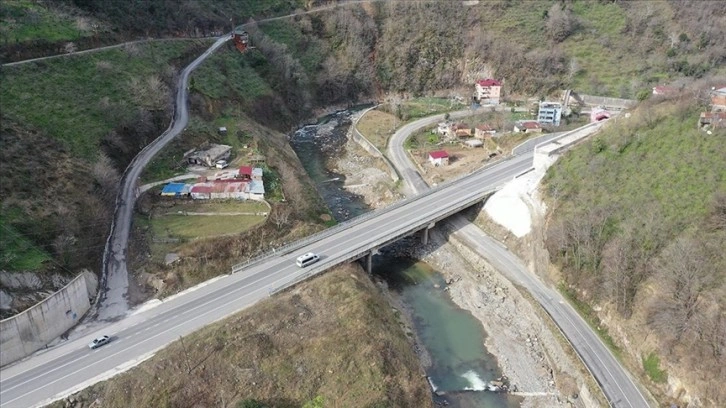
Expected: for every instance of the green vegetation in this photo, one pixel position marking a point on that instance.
(18, 253)
(639, 227)
(651, 365)
(585, 310)
(229, 75)
(334, 341)
(25, 20)
(81, 99)
(202, 226)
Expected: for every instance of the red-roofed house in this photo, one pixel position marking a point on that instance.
(528, 126)
(220, 190)
(439, 158)
(484, 131)
(488, 90)
(245, 173)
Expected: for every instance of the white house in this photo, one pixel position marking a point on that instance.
(439, 158)
(528, 126)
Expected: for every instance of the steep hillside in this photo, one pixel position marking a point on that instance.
(638, 229)
(69, 128)
(36, 28)
(333, 341)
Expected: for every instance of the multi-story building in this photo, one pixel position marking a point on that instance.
(488, 90)
(549, 113)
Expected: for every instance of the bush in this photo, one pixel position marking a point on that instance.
(651, 365)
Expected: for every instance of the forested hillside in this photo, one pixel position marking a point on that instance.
(639, 229)
(298, 66)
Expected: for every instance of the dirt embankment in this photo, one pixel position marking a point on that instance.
(530, 351)
(330, 338)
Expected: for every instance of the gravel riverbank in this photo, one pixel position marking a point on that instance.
(538, 364)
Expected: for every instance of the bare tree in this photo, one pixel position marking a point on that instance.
(560, 22)
(684, 273)
(281, 216)
(106, 176)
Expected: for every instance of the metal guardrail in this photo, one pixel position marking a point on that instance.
(286, 249)
(361, 251)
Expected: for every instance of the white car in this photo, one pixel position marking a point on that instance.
(98, 342)
(221, 164)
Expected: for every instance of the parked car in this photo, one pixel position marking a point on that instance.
(221, 164)
(98, 342)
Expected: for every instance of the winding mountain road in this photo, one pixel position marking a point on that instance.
(113, 302)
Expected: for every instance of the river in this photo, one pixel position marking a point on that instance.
(460, 366)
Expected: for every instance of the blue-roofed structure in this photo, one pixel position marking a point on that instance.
(175, 190)
(257, 190)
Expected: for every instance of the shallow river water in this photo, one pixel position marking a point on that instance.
(460, 367)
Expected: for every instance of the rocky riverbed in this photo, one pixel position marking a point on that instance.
(540, 366)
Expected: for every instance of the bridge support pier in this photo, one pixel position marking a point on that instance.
(369, 262)
(425, 233)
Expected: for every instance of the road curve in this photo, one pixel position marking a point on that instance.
(113, 301)
(616, 383)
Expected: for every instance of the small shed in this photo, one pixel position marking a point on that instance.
(222, 130)
(175, 190)
(439, 158)
(484, 131)
(256, 190)
(473, 143)
(257, 174)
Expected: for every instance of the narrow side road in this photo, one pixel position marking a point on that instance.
(619, 388)
(113, 302)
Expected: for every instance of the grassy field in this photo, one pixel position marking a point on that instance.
(172, 222)
(377, 127)
(18, 253)
(334, 339)
(651, 365)
(25, 20)
(80, 99)
(227, 74)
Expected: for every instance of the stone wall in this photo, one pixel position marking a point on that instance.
(33, 329)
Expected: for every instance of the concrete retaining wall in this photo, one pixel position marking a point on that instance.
(33, 329)
(608, 103)
(370, 148)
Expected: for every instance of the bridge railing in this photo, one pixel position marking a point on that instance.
(286, 249)
(373, 244)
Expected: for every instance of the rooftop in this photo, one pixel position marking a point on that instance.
(439, 154)
(488, 82)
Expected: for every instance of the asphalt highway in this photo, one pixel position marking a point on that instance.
(72, 366)
(617, 385)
